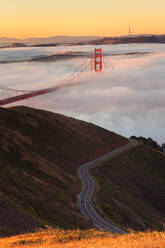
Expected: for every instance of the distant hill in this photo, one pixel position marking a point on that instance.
(7, 40)
(130, 39)
(50, 40)
(85, 40)
(62, 39)
(40, 153)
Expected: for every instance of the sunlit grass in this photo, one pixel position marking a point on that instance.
(84, 239)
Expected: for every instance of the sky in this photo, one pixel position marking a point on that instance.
(43, 18)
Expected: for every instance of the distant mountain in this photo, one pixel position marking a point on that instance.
(83, 40)
(97, 40)
(52, 40)
(130, 39)
(18, 44)
(9, 40)
(62, 39)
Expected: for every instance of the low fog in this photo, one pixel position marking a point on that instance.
(128, 99)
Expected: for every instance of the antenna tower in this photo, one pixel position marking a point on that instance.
(129, 29)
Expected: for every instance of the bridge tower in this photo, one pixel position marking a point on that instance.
(98, 60)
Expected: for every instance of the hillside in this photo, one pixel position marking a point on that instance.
(129, 39)
(39, 156)
(84, 40)
(84, 239)
(131, 189)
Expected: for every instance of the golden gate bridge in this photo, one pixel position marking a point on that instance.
(9, 95)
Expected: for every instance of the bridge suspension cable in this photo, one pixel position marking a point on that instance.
(9, 95)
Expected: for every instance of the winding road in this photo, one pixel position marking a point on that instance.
(88, 188)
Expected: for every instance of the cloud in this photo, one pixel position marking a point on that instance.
(128, 99)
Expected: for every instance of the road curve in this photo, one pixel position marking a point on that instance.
(88, 187)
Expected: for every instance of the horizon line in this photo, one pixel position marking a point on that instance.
(79, 36)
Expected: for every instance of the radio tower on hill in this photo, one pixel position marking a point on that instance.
(129, 30)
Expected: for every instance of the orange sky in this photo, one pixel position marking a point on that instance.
(42, 18)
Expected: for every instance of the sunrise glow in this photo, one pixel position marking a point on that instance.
(43, 18)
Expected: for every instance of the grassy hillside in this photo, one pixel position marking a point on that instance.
(39, 156)
(84, 239)
(131, 189)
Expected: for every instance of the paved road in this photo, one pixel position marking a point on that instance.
(88, 188)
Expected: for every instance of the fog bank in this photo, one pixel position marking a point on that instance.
(128, 99)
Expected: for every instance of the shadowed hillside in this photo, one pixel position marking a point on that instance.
(131, 189)
(39, 156)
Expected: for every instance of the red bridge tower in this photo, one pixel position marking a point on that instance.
(98, 60)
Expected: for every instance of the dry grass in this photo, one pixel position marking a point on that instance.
(84, 239)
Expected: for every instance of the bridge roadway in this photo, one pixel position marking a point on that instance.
(14, 95)
(27, 95)
(35, 93)
(82, 70)
(88, 188)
